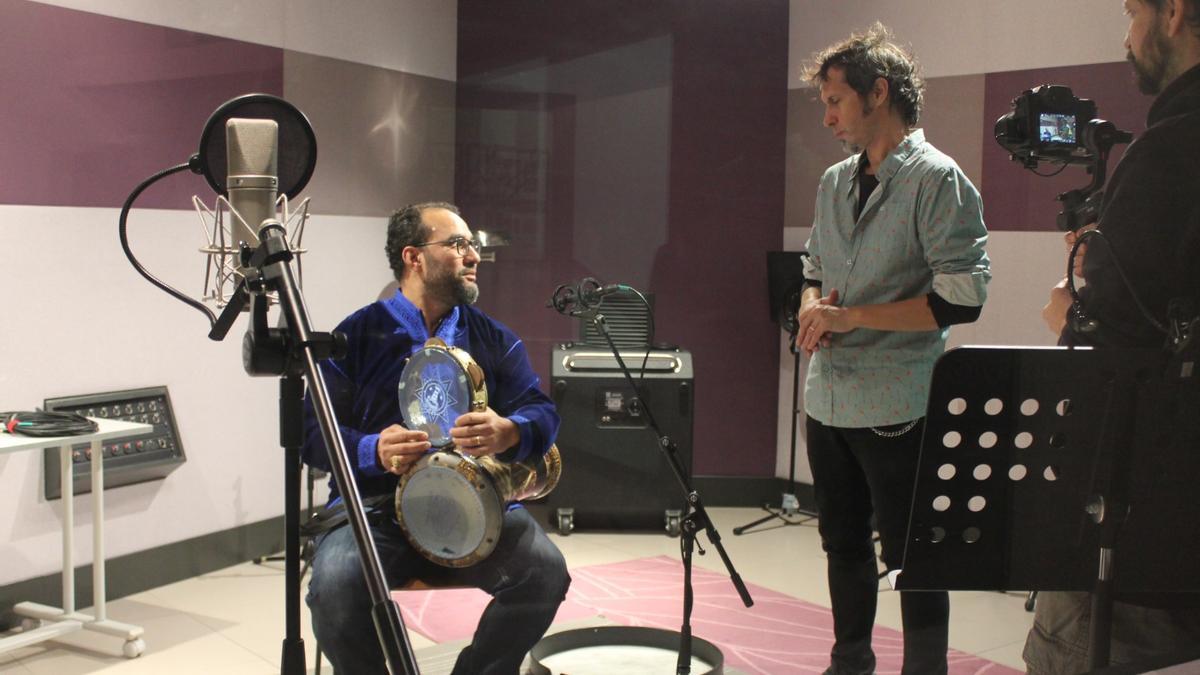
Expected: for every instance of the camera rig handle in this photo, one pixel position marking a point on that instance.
(1081, 207)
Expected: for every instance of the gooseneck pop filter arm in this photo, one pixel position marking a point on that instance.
(290, 351)
(123, 235)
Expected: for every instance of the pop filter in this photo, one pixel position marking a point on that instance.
(297, 142)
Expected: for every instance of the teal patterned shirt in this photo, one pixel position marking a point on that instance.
(921, 230)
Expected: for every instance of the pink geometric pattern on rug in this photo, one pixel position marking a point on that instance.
(780, 635)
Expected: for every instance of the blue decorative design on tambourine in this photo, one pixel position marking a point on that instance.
(438, 385)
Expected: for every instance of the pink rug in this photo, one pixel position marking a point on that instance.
(780, 635)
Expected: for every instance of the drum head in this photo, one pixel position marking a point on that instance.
(435, 390)
(449, 510)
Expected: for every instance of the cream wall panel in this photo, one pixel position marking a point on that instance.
(413, 36)
(963, 37)
(88, 323)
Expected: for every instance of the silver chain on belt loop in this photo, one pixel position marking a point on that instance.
(899, 432)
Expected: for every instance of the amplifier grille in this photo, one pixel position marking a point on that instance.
(627, 318)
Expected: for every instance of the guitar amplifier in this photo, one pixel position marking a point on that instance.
(614, 475)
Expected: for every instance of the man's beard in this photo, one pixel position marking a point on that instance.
(1151, 71)
(850, 147)
(465, 292)
(453, 289)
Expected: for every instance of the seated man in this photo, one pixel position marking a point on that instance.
(430, 249)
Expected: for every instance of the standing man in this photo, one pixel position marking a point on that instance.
(895, 257)
(432, 253)
(1151, 227)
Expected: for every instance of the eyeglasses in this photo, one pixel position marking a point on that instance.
(460, 244)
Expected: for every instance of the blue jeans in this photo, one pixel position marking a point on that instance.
(526, 576)
(858, 474)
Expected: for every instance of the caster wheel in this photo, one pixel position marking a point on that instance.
(28, 624)
(673, 526)
(566, 521)
(134, 648)
(566, 524)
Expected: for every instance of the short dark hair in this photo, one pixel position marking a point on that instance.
(406, 228)
(865, 57)
(1192, 11)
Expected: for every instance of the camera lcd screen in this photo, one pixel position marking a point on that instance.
(1056, 128)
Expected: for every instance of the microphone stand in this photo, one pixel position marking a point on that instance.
(292, 352)
(696, 518)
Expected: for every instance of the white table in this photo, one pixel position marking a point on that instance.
(62, 620)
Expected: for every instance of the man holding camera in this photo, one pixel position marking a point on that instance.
(1150, 223)
(1143, 264)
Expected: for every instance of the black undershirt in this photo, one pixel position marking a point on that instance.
(866, 185)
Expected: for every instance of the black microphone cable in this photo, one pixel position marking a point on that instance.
(122, 228)
(571, 300)
(650, 340)
(1077, 306)
(44, 424)
(589, 287)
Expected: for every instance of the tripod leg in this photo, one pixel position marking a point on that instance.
(770, 516)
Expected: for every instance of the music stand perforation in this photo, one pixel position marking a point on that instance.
(1092, 467)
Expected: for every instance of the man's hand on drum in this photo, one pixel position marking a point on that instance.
(398, 448)
(484, 433)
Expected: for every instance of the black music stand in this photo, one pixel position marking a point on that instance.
(785, 282)
(1057, 469)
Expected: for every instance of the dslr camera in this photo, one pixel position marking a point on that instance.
(1047, 124)
(1050, 124)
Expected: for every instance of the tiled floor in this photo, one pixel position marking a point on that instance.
(232, 621)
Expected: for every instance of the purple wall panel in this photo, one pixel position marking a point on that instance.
(1015, 199)
(92, 105)
(726, 210)
(726, 76)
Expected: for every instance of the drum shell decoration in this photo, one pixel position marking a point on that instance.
(451, 505)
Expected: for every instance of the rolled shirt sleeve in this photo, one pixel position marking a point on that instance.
(953, 237)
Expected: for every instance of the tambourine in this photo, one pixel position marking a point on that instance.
(451, 505)
(438, 385)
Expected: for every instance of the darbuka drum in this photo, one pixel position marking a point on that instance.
(451, 505)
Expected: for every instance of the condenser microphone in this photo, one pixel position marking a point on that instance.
(252, 151)
(591, 291)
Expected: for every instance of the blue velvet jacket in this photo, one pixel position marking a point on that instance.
(363, 385)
